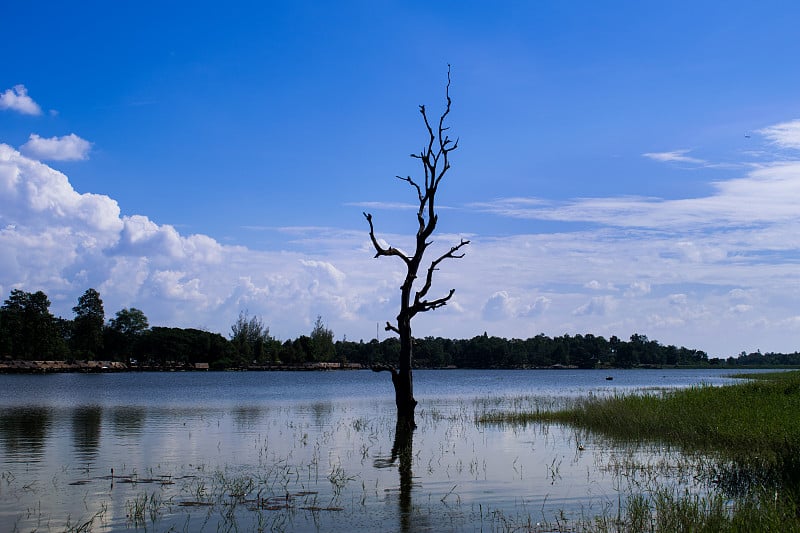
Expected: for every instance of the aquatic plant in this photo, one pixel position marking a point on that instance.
(750, 431)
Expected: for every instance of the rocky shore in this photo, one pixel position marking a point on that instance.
(16, 366)
(46, 367)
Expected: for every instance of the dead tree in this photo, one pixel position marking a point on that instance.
(435, 162)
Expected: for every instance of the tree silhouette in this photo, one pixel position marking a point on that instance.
(87, 336)
(435, 162)
(27, 328)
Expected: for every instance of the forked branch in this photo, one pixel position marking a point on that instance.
(420, 305)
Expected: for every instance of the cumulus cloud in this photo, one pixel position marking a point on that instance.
(37, 197)
(597, 286)
(142, 237)
(17, 99)
(677, 299)
(740, 308)
(540, 305)
(740, 295)
(67, 148)
(499, 306)
(716, 272)
(598, 305)
(323, 272)
(638, 288)
(502, 306)
(61, 241)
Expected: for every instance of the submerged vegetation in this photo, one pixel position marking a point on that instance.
(750, 433)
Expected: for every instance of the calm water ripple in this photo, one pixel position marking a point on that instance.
(303, 451)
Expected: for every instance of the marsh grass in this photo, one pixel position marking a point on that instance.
(670, 510)
(742, 420)
(751, 431)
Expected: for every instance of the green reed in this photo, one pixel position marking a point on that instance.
(751, 430)
(757, 417)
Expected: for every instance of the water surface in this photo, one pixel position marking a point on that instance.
(304, 451)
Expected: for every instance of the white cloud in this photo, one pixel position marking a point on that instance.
(675, 156)
(638, 288)
(177, 285)
(498, 307)
(67, 148)
(785, 134)
(716, 272)
(767, 194)
(598, 305)
(740, 308)
(385, 205)
(37, 197)
(502, 306)
(516, 207)
(597, 286)
(324, 269)
(741, 295)
(540, 305)
(677, 299)
(17, 99)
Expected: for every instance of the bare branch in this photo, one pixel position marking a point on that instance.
(425, 305)
(421, 305)
(380, 250)
(414, 184)
(390, 327)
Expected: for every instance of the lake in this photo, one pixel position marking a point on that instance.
(311, 451)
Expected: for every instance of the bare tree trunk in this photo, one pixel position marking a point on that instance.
(402, 376)
(403, 380)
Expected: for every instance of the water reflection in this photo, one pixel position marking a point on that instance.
(24, 430)
(86, 422)
(322, 413)
(246, 417)
(128, 421)
(403, 455)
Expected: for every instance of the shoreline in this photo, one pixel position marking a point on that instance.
(18, 366)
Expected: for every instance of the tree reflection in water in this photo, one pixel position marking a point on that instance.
(23, 430)
(86, 424)
(402, 454)
(128, 421)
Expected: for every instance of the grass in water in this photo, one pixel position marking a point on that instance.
(751, 429)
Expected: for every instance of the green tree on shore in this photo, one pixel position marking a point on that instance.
(124, 331)
(251, 339)
(27, 328)
(87, 334)
(321, 342)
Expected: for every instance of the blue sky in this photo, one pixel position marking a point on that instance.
(625, 168)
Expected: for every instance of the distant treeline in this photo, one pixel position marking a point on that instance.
(28, 331)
